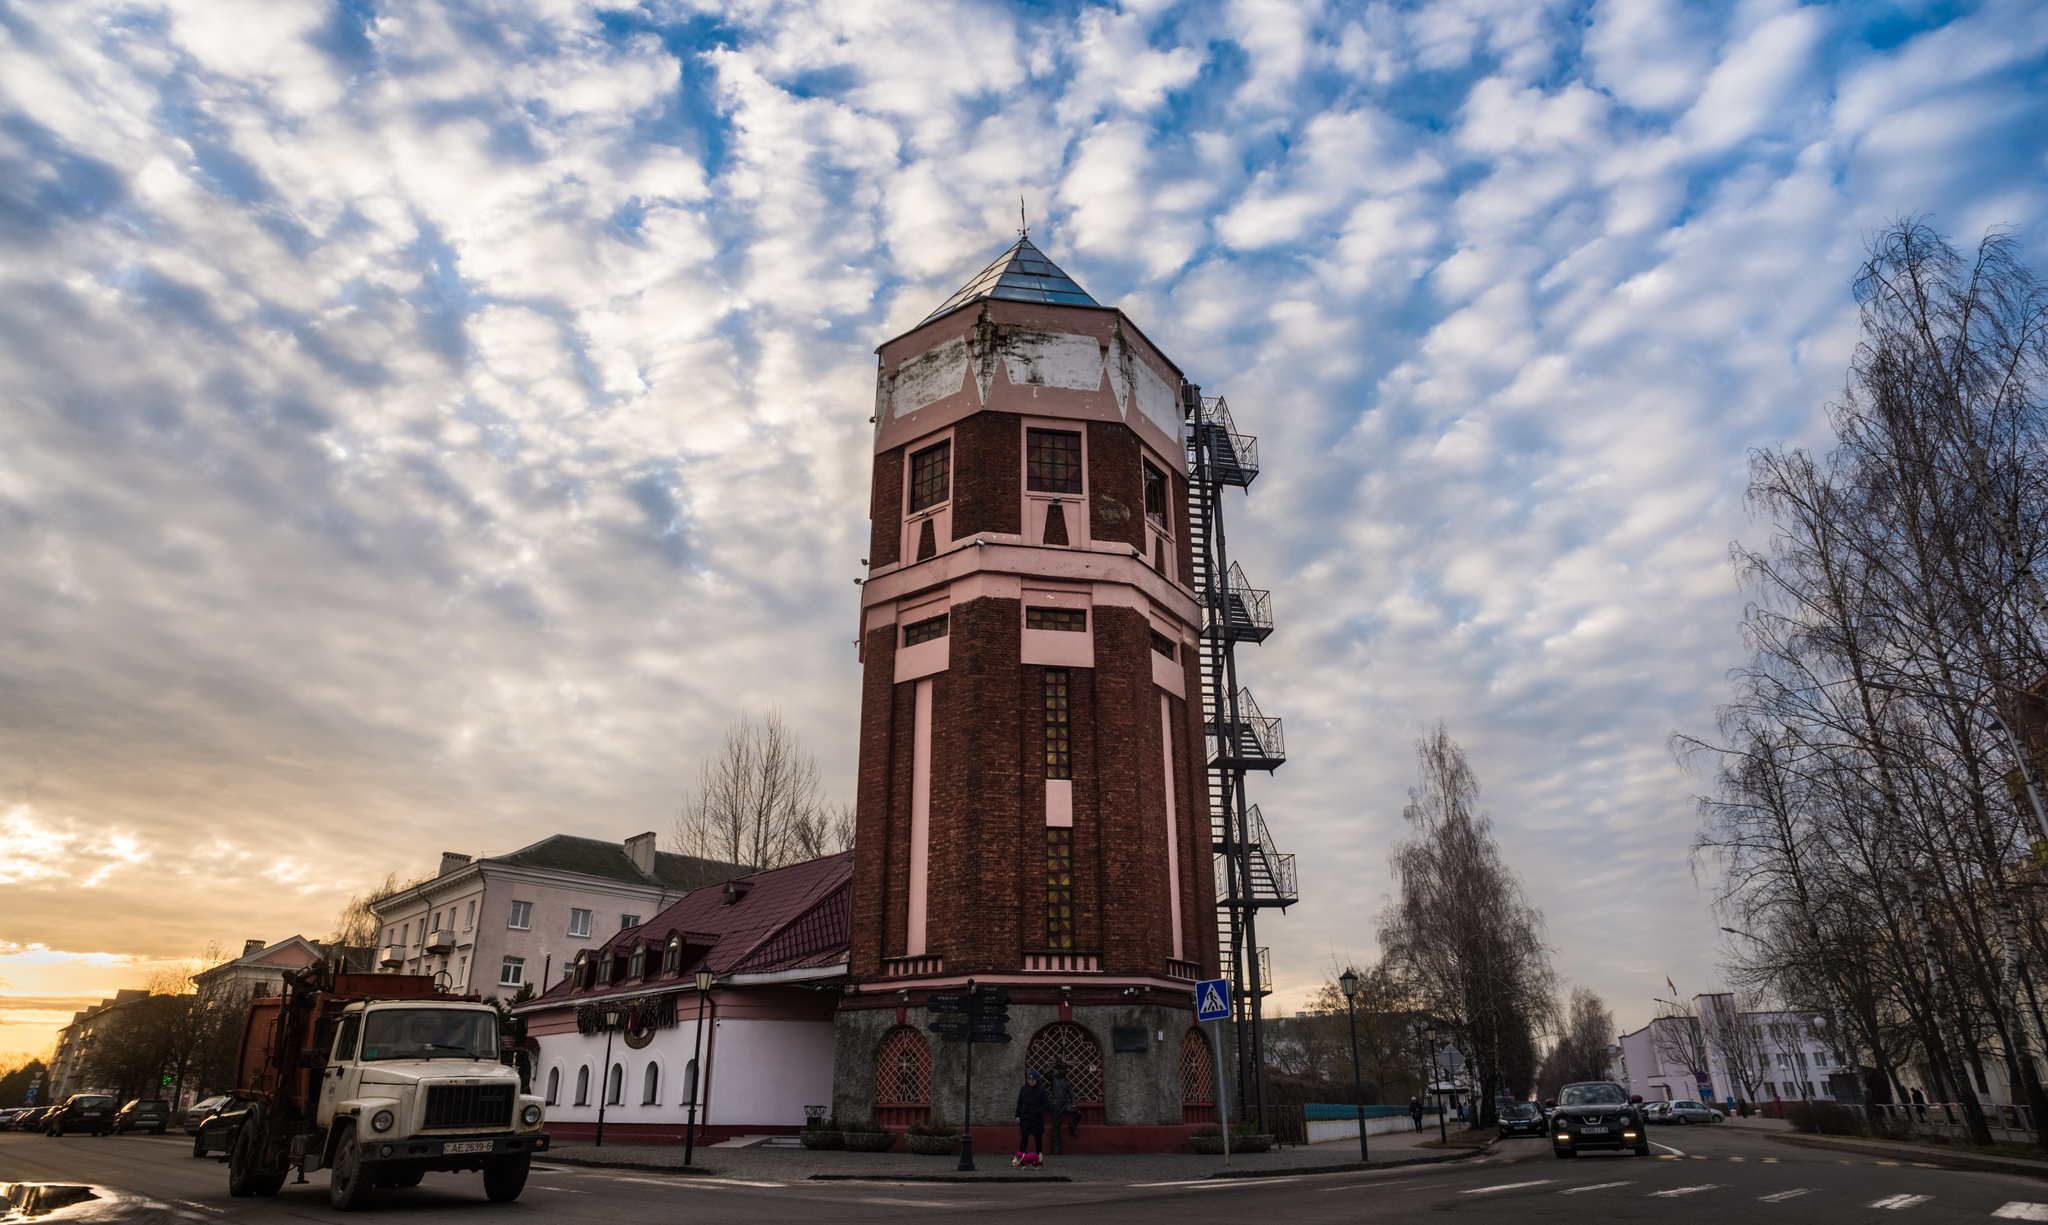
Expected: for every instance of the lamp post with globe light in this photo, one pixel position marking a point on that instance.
(696, 1067)
(1348, 983)
(604, 1086)
(1443, 1133)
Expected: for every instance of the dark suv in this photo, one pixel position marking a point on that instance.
(93, 1112)
(143, 1114)
(1520, 1119)
(1597, 1114)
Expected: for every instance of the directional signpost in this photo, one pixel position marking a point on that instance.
(973, 1018)
(1212, 1004)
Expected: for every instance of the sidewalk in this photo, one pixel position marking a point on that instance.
(1918, 1154)
(781, 1164)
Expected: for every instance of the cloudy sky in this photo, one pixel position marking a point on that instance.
(426, 426)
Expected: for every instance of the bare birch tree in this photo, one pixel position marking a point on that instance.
(758, 801)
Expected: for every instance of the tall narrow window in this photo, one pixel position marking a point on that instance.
(638, 966)
(1059, 762)
(1155, 495)
(1052, 461)
(650, 1093)
(931, 477)
(672, 958)
(554, 1097)
(583, 1085)
(469, 916)
(1059, 888)
(615, 1085)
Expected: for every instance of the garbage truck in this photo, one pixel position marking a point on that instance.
(379, 1079)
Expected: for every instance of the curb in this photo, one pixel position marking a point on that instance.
(687, 1171)
(1919, 1155)
(1357, 1167)
(939, 1178)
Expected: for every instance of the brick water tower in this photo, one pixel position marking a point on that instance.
(1033, 804)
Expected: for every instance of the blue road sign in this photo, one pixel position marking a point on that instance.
(1212, 1000)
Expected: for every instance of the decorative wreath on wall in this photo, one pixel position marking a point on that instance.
(644, 1015)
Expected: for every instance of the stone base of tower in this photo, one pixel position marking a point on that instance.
(889, 1068)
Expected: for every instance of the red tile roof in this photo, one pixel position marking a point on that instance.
(791, 918)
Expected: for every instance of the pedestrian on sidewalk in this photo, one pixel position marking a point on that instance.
(1415, 1111)
(1032, 1103)
(1920, 1105)
(1777, 1106)
(1061, 1093)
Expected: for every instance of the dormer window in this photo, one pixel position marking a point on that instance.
(931, 477)
(581, 979)
(672, 957)
(637, 968)
(1052, 461)
(604, 968)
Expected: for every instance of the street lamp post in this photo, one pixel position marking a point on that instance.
(696, 1067)
(1443, 1132)
(604, 1086)
(1348, 983)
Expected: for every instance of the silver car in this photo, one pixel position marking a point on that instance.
(1692, 1112)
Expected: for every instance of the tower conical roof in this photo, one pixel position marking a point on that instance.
(1020, 274)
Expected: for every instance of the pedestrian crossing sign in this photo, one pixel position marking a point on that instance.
(1212, 1000)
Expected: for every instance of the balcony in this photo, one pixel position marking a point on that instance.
(1251, 742)
(439, 943)
(392, 957)
(1244, 613)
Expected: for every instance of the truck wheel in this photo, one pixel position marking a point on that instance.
(505, 1178)
(348, 1184)
(243, 1177)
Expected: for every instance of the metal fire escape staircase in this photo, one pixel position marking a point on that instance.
(1251, 873)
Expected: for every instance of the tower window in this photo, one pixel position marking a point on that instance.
(1052, 461)
(925, 630)
(1059, 888)
(1074, 620)
(1155, 494)
(1058, 759)
(931, 476)
(1162, 644)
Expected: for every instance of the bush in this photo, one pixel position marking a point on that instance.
(850, 1126)
(1823, 1118)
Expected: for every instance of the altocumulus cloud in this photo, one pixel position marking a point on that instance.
(424, 426)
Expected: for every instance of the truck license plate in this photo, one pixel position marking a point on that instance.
(1591, 1131)
(467, 1146)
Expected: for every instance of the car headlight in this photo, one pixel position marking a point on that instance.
(531, 1114)
(382, 1120)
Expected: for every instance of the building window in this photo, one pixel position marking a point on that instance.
(689, 1084)
(604, 968)
(638, 966)
(579, 922)
(554, 1086)
(628, 920)
(672, 955)
(1052, 461)
(1155, 495)
(1058, 760)
(469, 916)
(615, 1085)
(583, 1085)
(462, 973)
(437, 920)
(405, 935)
(1073, 620)
(513, 972)
(931, 477)
(522, 916)
(650, 1093)
(1059, 888)
(1162, 644)
(925, 630)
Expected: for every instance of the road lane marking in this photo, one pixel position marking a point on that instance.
(1382, 1186)
(1770, 1161)
(1782, 1196)
(917, 1203)
(1890, 1163)
(1215, 1182)
(563, 1190)
(691, 1182)
(1598, 1186)
(1675, 1192)
(1898, 1201)
(1509, 1186)
(1667, 1148)
(2019, 1210)
(202, 1207)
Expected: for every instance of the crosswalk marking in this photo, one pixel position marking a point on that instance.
(1598, 1186)
(1678, 1191)
(2019, 1210)
(1899, 1201)
(1782, 1196)
(1506, 1186)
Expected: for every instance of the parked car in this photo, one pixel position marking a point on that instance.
(1597, 1114)
(148, 1114)
(1521, 1119)
(1657, 1112)
(1694, 1112)
(198, 1112)
(93, 1112)
(30, 1119)
(7, 1117)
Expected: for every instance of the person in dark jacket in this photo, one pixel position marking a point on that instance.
(1415, 1111)
(1032, 1103)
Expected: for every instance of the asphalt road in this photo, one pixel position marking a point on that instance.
(1700, 1174)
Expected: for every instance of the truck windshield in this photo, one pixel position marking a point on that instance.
(430, 1033)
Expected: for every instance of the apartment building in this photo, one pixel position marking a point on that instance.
(493, 924)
